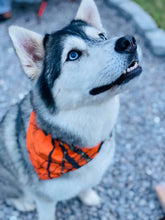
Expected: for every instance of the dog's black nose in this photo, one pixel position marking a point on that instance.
(126, 44)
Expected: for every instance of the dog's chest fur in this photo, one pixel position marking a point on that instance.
(92, 125)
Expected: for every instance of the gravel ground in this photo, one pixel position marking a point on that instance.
(128, 188)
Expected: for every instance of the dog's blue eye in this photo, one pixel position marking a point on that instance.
(73, 55)
(102, 36)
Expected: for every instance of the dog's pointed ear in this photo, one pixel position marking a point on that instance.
(88, 12)
(30, 50)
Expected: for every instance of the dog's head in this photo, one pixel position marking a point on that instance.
(77, 65)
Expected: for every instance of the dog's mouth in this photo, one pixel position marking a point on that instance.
(131, 72)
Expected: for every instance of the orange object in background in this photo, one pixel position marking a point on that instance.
(160, 189)
(43, 7)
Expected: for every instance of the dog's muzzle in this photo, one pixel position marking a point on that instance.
(126, 45)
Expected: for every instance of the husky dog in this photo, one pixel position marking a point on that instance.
(77, 73)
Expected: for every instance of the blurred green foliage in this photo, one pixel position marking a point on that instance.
(156, 8)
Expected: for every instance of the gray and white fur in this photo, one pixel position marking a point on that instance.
(66, 107)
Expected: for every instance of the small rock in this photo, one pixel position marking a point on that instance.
(157, 120)
(1, 215)
(13, 218)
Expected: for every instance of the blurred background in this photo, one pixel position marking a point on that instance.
(128, 188)
(156, 8)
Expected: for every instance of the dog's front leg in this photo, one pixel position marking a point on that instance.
(90, 197)
(46, 209)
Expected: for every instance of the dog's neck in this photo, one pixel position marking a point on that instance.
(85, 126)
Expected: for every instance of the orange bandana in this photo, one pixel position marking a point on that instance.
(51, 158)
